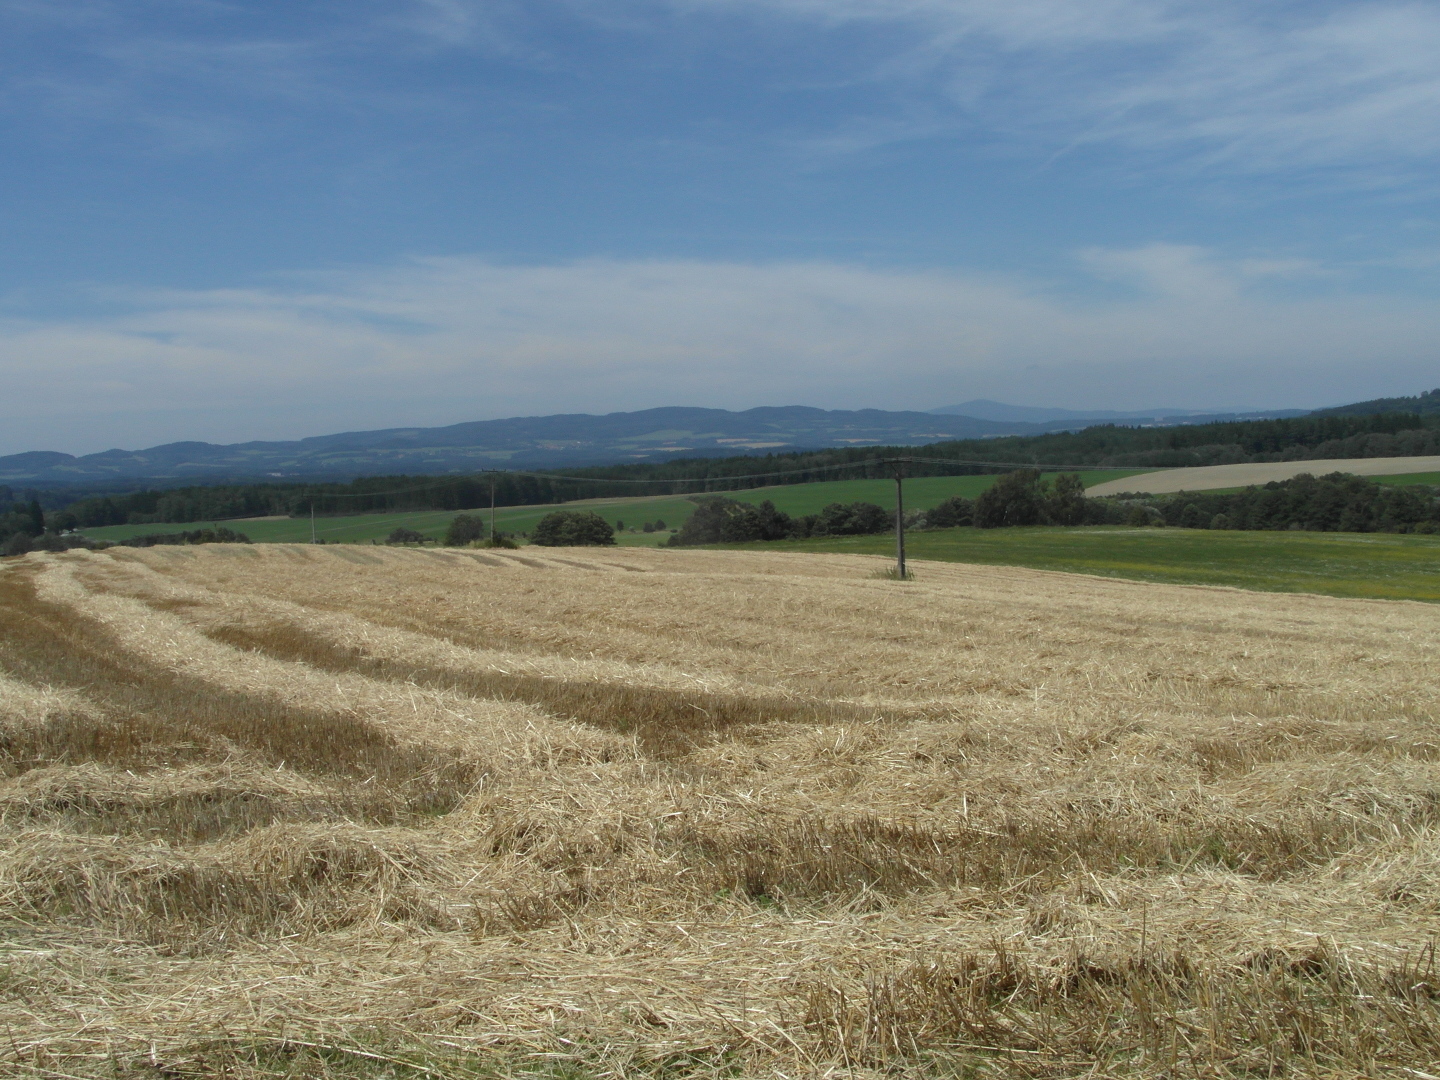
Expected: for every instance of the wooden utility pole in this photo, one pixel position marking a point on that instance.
(312, 521)
(492, 509)
(899, 520)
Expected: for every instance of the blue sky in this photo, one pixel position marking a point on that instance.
(227, 220)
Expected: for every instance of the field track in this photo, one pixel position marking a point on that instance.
(1212, 477)
(320, 811)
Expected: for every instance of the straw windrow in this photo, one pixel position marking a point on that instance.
(279, 812)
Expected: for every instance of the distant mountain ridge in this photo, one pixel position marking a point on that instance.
(534, 442)
(985, 409)
(558, 441)
(1425, 404)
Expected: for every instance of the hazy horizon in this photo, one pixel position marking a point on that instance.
(269, 221)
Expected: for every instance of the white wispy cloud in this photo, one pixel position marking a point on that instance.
(1346, 88)
(1240, 86)
(444, 340)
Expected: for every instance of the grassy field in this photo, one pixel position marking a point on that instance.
(921, 493)
(1429, 478)
(363, 813)
(795, 499)
(364, 528)
(1378, 565)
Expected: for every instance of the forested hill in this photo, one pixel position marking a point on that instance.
(1380, 435)
(1426, 404)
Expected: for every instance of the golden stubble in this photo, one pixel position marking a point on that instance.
(759, 812)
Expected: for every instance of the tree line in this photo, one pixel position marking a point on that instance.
(1335, 502)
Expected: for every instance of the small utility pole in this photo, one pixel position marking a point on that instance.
(899, 520)
(312, 521)
(492, 509)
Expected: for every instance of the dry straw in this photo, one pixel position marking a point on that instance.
(291, 811)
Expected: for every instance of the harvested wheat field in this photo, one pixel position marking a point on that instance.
(1215, 477)
(339, 812)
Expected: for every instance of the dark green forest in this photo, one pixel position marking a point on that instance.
(1426, 404)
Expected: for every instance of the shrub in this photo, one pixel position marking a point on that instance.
(856, 519)
(18, 544)
(1017, 498)
(217, 535)
(954, 511)
(573, 528)
(647, 527)
(1066, 504)
(1333, 503)
(465, 529)
(405, 536)
(718, 520)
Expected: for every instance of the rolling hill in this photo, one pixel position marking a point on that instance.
(520, 442)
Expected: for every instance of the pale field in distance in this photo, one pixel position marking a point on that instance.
(295, 811)
(1219, 477)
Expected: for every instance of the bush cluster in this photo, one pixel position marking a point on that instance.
(471, 530)
(20, 522)
(573, 528)
(217, 535)
(1336, 502)
(466, 529)
(1020, 498)
(718, 520)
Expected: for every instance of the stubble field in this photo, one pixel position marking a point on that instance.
(294, 811)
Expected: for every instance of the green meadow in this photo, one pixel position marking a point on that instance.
(1375, 565)
(365, 528)
(921, 493)
(1430, 478)
(795, 499)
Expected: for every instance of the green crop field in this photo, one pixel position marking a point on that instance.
(921, 493)
(1376, 565)
(796, 499)
(363, 528)
(1406, 479)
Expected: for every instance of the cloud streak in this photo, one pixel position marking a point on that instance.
(444, 340)
(1228, 87)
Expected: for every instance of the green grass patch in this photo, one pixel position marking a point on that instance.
(364, 528)
(795, 499)
(1374, 565)
(921, 493)
(1406, 479)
